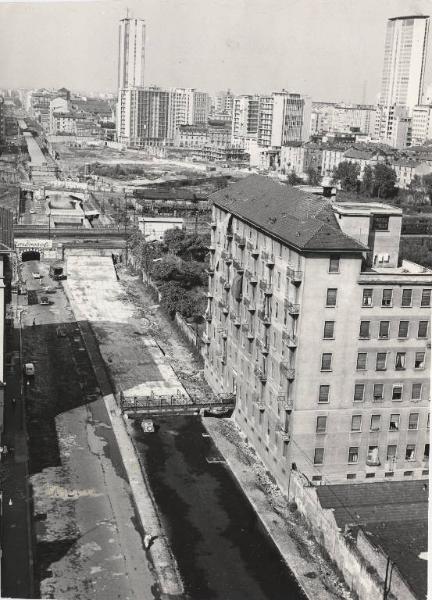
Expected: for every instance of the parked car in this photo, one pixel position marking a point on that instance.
(29, 369)
(147, 426)
(37, 276)
(49, 290)
(44, 301)
(219, 411)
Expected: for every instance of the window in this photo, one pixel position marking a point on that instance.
(328, 330)
(364, 329)
(400, 361)
(394, 422)
(381, 360)
(375, 422)
(391, 452)
(367, 297)
(387, 298)
(426, 452)
(324, 392)
(426, 298)
(416, 391)
(353, 454)
(410, 452)
(422, 329)
(419, 361)
(372, 458)
(321, 424)
(384, 329)
(380, 222)
(378, 391)
(413, 421)
(406, 297)
(319, 456)
(397, 391)
(334, 264)
(356, 422)
(403, 329)
(331, 297)
(326, 360)
(359, 392)
(361, 361)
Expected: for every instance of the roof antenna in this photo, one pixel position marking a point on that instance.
(127, 13)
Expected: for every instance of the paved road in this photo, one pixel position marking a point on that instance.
(222, 550)
(87, 540)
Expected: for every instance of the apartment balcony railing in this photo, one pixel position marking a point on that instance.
(229, 235)
(285, 403)
(223, 333)
(210, 294)
(268, 258)
(241, 241)
(293, 309)
(247, 329)
(208, 317)
(210, 271)
(264, 317)
(295, 275)
(251, 277)
(250, 304)
(253, 249)
(238, 266)
(261, 374)
(287, 370)
(213, 224)
(290, 339)
(205, 338)
(266, 287)
(236, 319)
(264, 345)
(224, 307)
(227, 257)
(212, 248)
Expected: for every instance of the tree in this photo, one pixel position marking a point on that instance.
(293, 178)
(347, 173)
(384, 181)
(314, 178)
(175, 298)
(189, 246)
(367, 184)
(427, 185)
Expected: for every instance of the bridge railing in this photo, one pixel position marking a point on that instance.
(136, 403)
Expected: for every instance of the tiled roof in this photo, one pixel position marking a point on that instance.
(360, 154)
(301, 220)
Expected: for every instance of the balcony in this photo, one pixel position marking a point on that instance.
(206, 339)
(241, 241)
(251, 277)
(287, 370)
(238, 266)
(227, 257)
(223, 333)
(236, 319)
(264, 317)
(264, 346)
(211, 248)
(283, 431)
(224, 307)
(208, 317)
(210, 295)
(250, 304)
(213, 224)
(229, 235)
(290, 339)
(268, 258)
(248, 331)
(293, 309)
(253, 250)
(266, 287)
(210, 271)
(261, 374)
(295, 276)
(285, 403)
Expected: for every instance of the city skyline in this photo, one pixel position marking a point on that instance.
(184, 54)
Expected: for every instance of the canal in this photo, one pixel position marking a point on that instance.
(222, 550)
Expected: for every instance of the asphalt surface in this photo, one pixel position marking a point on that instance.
(221, 548)
(87, 543)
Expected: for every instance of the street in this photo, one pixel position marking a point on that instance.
(83, 516)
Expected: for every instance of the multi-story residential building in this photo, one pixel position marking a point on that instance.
(2, 121)
(186, 107)
(198, 136)
(131, 53)
(283, 118)
(245, 113)
(142, 117)
(321, 332)
(407, 169)
(292, 158)
(223, 103)
(421, 124)
(339, 118)
(332, 156)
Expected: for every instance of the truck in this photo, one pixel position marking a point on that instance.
(56, 271)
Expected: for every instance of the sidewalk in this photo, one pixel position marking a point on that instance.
(16, 536)
(315, 575)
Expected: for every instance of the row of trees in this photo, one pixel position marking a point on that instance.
(378, 181)
(177, 265)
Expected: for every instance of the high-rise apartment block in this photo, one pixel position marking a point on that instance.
(321, 331)
(328, 117)
(402, 78)
(187, 107)
(283, 117)
(142, 117)
(131, 55)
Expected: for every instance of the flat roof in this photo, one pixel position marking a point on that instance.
(366, 208)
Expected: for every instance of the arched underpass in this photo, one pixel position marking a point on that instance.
(30, 255)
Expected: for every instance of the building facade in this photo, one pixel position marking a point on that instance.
(142, 117)
(131, 53)
(283, 118)
(320, 332)
(421, 125)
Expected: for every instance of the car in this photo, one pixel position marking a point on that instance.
(31, 211)
(44, 301)
(49, 290)
(29, 369)
(218, 411)
(148, 426)
(37, 276)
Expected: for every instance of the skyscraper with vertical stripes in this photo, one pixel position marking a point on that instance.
(131, 58)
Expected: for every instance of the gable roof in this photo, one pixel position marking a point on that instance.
(301, 220)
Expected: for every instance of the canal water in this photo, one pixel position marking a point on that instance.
(222, 550)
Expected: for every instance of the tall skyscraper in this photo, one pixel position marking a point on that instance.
(404, 61)
(131, 53)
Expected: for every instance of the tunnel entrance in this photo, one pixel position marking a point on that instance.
(30, 255)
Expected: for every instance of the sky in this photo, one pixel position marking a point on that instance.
(329, 49)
